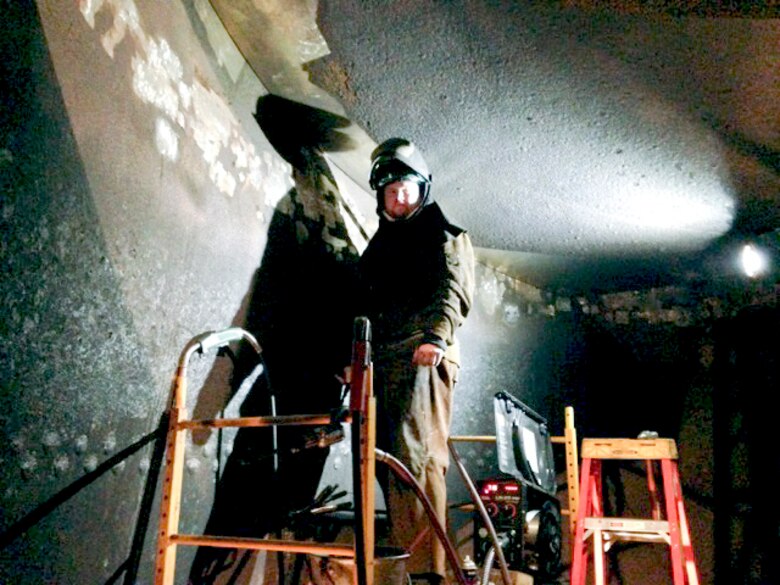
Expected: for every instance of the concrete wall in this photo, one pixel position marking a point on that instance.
(138, 192)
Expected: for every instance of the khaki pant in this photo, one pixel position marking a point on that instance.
(414, 411)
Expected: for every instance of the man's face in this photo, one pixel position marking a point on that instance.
(402, 198)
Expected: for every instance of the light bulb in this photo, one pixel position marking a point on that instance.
(754, 261)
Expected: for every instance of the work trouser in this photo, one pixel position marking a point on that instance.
(414, 411)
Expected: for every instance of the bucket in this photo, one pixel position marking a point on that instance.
(389, 568)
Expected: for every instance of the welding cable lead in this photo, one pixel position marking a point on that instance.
(503, 541)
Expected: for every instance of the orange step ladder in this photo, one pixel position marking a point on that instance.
(603, 531)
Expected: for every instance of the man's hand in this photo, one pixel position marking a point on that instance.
(427, 354)
(346, 376)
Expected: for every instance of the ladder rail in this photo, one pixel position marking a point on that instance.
(569, 442)
(170, 506)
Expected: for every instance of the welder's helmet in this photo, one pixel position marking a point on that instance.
(398, 159)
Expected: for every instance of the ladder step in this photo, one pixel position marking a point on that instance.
(628, 530)
(629, 449)
(626, 524)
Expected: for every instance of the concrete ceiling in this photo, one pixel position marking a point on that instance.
(585, 150)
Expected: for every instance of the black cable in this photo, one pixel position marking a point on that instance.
(44, 509)
(144, 509)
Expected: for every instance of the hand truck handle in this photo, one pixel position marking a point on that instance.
(216, 339)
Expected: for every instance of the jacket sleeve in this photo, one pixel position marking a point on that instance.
(455, 292)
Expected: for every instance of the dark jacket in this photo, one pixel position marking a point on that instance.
(418, 279)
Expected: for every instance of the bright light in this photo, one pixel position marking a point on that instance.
(754, 261)
(668, 211)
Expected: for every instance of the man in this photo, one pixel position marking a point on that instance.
(418, 273)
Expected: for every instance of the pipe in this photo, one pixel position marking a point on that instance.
(489, 557)
(404, 475)
(491, 554)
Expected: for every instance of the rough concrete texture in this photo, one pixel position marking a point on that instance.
(138, 193)
(574, 130)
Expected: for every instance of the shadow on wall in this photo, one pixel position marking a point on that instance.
(299, 307)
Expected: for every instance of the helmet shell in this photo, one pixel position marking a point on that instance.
(398, 159)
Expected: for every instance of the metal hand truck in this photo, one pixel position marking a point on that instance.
(362, 419)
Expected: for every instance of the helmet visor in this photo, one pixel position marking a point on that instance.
(390, 170)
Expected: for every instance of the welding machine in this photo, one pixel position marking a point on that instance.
(522, 504)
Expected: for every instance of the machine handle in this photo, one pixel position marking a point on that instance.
(361, 360)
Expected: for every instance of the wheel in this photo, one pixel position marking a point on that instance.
(547, 548)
